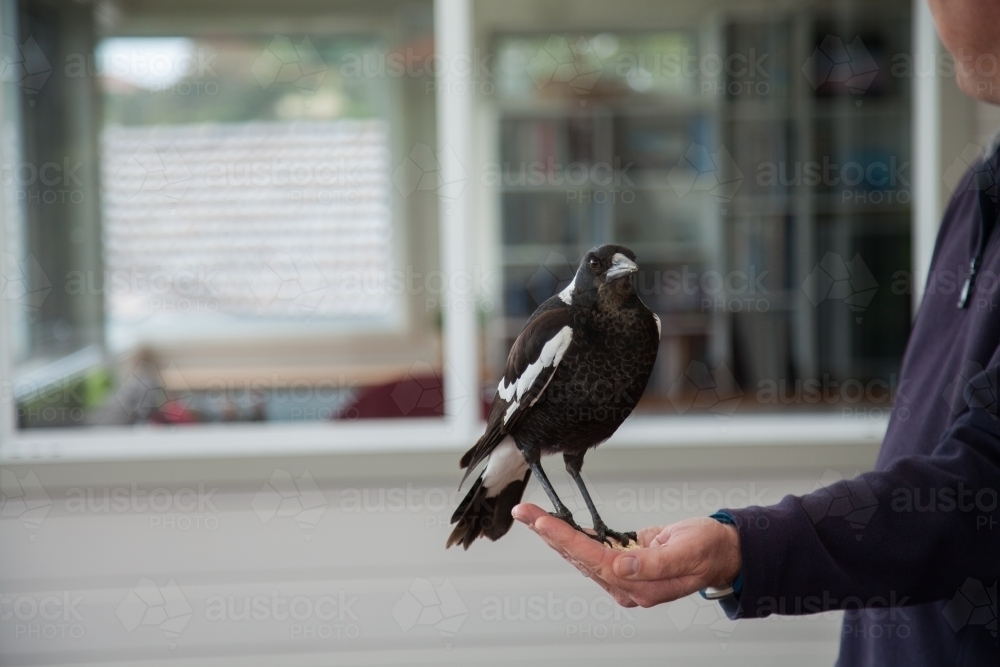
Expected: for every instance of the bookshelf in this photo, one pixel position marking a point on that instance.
(722, 264)
(552, 212)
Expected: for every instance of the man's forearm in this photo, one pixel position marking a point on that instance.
(910, 534)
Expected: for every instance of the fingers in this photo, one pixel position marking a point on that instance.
(591, 556)
(527, 513)
(666, 569)
(651, 564)
(558, 534)
(647, 535)
(582, 552)
(620, 596)
(564, 538)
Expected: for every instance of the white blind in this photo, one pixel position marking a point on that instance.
(267, 220)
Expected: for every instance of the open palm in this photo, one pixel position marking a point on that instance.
(673, 561)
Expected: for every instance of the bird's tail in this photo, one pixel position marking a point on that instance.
(489, 516)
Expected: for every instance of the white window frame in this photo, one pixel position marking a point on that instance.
(462, 423)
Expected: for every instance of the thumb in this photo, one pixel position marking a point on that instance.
(660, 561)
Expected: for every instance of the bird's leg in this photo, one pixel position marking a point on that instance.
(562, 512)
(574, 463)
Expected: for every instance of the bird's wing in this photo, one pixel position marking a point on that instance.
(532, 362)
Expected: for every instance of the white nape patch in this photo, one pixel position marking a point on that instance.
(567, 294)
(552, 353)
(505, 465)
(659, 332)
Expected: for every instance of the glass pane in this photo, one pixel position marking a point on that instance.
(758, 165)
(248, 224)
(243, 213)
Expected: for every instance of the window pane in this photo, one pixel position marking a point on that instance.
(251, 222)
(248, 229)
(758, 165)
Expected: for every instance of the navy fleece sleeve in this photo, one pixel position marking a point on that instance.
(909, 534)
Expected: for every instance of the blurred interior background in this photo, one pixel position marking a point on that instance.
(263, 263)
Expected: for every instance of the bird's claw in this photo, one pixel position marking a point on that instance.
(601, 533)
(568, 518)
(604, 535)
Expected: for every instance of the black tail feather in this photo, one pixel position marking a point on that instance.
(478, 515)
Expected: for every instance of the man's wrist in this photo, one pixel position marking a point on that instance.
(732, 561)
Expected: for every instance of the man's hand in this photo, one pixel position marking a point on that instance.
(675, 560)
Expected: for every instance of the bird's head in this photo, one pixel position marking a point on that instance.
(604, 276)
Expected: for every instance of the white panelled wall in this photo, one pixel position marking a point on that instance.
(306, 562)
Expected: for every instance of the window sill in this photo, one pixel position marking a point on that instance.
(414, 436)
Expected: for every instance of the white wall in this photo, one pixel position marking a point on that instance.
(369, 556)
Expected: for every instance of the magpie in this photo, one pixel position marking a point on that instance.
(575, 372)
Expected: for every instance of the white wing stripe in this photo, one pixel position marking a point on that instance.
(506, 392)
(552, 353)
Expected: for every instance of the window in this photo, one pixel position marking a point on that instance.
(758, 165)
(320, 226)
(241, 223)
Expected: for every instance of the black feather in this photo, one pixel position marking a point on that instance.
(544, 325)
(490, 517)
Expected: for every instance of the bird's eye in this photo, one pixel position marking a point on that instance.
(595, 263)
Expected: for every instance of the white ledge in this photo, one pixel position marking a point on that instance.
(415, 435)
(756, 430)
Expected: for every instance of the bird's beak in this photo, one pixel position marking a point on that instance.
(621, 266)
